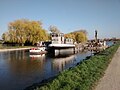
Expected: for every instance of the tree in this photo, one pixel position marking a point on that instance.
(25, 31)
(70, 35)
(12, 36)
(5, 36)
(80, 37)
(17, 32)
(54, 29)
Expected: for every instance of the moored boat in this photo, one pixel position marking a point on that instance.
(38, 50)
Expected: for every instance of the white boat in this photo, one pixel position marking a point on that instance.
(37, 50)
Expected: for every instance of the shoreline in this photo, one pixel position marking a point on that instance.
(86, 69)
(13, 49)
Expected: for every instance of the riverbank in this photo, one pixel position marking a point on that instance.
(84, 76)
(13, 49)
(111, 79)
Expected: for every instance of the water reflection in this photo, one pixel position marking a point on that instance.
(60, 64)
(37, 57)
(19, 69)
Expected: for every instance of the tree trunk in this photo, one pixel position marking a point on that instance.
(22, 44)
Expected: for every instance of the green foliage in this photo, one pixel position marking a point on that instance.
(83, 76)
(70, 35)
(78, 36)
(22, 31)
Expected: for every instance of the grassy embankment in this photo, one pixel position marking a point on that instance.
(85, 75)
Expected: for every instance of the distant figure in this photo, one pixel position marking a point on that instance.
(104, 43)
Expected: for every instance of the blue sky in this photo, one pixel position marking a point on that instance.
(67, 15)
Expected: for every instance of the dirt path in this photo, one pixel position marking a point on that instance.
(111, 79)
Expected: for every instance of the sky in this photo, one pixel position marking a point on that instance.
(66, 15)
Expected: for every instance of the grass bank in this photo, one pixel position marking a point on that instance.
(13, 47)
(84, 76)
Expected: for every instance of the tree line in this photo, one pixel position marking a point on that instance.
(30, 32)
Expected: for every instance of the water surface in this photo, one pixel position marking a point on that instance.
(19, 70)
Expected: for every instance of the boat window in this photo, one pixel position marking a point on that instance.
(56, 35)
(52, 35)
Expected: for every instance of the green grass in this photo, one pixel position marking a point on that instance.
(85, 75)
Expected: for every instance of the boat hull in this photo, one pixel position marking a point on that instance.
(37, 51)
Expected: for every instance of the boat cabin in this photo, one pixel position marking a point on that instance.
(68, 41)
(57, 38)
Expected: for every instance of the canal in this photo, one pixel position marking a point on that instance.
(19, 70)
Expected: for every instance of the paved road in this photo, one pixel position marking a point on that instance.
(111, 79)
